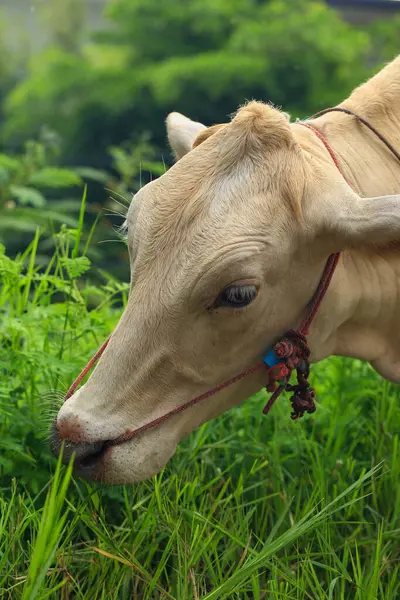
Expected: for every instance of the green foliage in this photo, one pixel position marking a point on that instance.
(48, 537)
(53, 177)
(34, 192)
(66, 22)
(249, 507)
(203, 58)
(35, 359)
(8, 65)
(75, 267)
(134, 163)
(385, 35)
(23, 178)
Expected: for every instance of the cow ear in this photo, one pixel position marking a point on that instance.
(357, 222)
(182, 132)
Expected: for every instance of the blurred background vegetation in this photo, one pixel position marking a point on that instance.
(85, 86)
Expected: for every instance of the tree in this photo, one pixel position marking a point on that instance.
(201, 57)
(66, 22)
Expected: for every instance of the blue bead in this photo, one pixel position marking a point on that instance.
(271, 359)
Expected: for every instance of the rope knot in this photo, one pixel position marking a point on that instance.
(293, 346)
(284, 349)
(294, 354)
(303, 399)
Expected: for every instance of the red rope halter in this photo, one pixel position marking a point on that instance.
(290, 353)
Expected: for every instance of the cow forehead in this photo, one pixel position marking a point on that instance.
(193, 236)
(200, 205)
(165, 223)
(184, 191)
(192, 192)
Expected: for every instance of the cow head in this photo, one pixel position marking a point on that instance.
(226, 249)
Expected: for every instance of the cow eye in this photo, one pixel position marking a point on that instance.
(237, 296)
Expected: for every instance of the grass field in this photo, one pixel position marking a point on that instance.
(250, 507)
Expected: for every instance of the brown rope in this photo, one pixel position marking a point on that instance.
(347, 111)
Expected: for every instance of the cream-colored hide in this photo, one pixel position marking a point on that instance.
(226, 249)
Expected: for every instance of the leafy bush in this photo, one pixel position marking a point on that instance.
(36, 359)
(23, 179)
(203, 58)
(36, 192)
(9, 65)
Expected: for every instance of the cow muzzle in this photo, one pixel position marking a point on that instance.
(88, 456)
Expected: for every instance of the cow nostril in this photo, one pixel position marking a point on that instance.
(91, 457)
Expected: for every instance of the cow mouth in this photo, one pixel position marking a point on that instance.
(89, 457)
(93, 458)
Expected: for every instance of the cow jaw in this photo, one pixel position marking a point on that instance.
(143, 456)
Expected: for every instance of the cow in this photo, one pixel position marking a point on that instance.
(226, 249)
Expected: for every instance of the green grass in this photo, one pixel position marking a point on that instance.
(251, 507)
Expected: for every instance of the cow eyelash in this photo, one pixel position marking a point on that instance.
(236, 296)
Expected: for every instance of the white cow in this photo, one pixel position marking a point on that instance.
(226, 250)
